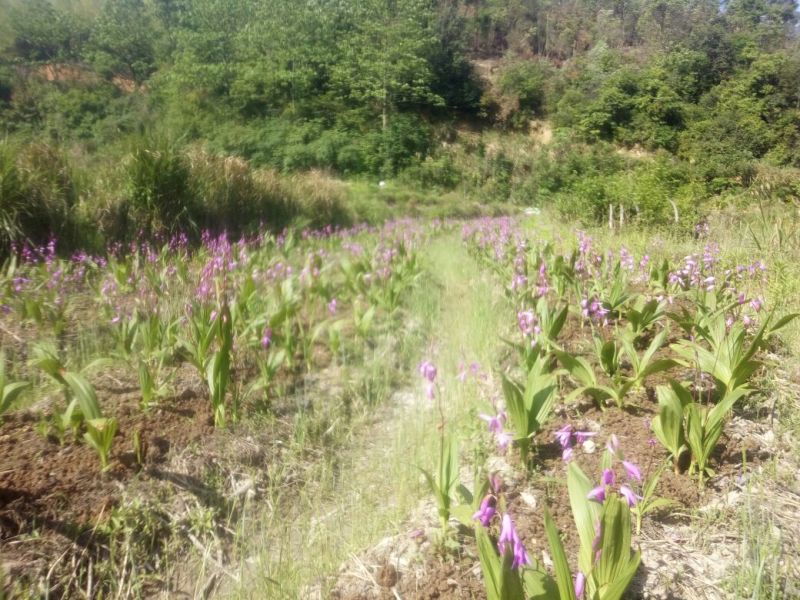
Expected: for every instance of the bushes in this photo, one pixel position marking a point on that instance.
(524, 86)
(162, 189)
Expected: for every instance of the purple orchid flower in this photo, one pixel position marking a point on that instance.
(598, 494)
(629, 496)
(428, 370)
(582, 436)
(609, 477)
(508, 535)
(487, 511)
(564, 436)
(580, 584)
(632, 470)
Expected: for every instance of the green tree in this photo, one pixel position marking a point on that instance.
(41, 33)
(384, 55)
(123, 40)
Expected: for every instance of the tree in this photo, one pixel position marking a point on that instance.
(44, 34)
(384, 56)
(123, 40)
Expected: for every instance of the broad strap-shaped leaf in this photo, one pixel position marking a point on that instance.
(539, 397)
(695, 428)
(558, 323)
(783, 322)
(538, 584)
(658, 366)
(490, 564)
(566, 589)
(9, 393)
(585, 512)
(577, 367)
(83, 392)
(515, 406)
(668, 425)
(616, 555)
(619, 586)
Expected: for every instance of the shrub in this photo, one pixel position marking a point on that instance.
(524, 86)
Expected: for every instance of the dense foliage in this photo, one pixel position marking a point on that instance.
(707, 96)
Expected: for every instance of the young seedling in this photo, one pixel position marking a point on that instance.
(668, 426)
(100, 436)
(9, 390)
(529, 406)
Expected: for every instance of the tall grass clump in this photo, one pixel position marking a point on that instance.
(157, 187)
(39, 192)
(318, 198)
(229, 194)
(12, 197)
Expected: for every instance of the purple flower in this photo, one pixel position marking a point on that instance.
(598, 494)
(628, 494)
(332, 306)
(582, 436)
(613, 444)
(567, 454)
(495, 422)
(504, 440)
(564, 436)
(428, 370)
(580, 584)
(266, 339)
(486, 511)
(632, 470)
(608, 477)
(526, 321)
(508, 535)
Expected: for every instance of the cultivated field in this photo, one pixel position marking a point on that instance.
(497, 408)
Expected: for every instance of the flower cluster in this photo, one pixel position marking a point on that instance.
(496, 423)
(593, 309)
(428, 372)
(509, 540)
(567, 437)
(528, 323)
(609, 477)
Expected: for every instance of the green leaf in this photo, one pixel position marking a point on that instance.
(566, 589)
(84, 393)
(490, 564)
(668, 425)
(783, 321)
(585, 512)
(9, 393)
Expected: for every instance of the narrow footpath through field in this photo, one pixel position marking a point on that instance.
(369, 490)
